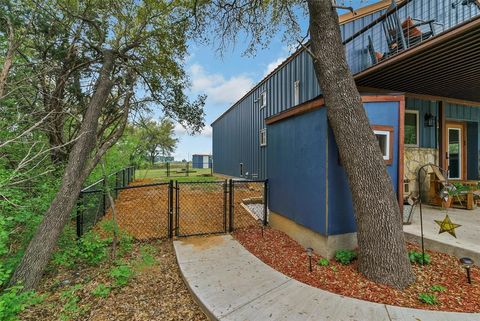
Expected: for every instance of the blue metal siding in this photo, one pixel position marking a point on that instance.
(297, 169)
(427, 134)
(341, 217)
(236, 133)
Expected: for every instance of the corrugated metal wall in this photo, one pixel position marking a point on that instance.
(236, 134)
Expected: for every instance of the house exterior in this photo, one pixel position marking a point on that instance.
(201, 161)
(421, 93)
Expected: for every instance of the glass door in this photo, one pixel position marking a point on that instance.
(455, 151)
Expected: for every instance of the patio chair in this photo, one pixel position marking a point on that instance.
(399, 35)
(375, 56)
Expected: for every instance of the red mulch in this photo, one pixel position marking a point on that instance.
(288, 257)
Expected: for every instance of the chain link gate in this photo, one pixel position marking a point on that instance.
(165, 210)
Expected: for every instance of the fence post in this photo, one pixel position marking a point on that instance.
(225, 191)
(79, 217)
(170, 209)
(104, 195)
(177, 208)
(123, 177)
(168, 169)
(265, 203)
(187, 168)
(230, 213)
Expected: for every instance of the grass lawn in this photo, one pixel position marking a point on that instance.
(195, 174)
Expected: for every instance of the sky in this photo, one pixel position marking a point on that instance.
(225, 79)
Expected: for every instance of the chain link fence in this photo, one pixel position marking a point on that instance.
(180, 169)
(173, 208)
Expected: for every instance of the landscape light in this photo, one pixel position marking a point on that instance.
(467, 263)
(309, 253)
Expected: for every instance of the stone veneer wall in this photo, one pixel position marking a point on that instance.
(414, 158)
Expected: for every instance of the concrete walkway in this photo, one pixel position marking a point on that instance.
(230, 283)
(466, 243)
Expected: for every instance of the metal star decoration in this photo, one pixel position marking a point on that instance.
(447, 226)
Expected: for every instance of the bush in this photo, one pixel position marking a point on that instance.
(428, 298)
(345, 256)
(70, 299)
(323, 262)
(90, 249)
(417, 257)
(101, 291)
(14, 301)
(122, 274)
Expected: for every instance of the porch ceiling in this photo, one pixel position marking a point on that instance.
(447, 65)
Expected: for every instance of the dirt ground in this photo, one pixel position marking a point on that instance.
(142, 212)
(156, 292)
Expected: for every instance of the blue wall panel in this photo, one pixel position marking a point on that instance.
(340, 209)
(297, 169)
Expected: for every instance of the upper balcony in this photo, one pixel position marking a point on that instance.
(413, 43)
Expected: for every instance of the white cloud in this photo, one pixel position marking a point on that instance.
(274, 64)
(218, 89)
(181, 131)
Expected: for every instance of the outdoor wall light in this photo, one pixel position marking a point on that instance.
(467, 264)
(309, 253)
(429, 120)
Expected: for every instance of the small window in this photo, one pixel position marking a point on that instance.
(263, 137)
(241, 169)
(411, 128)
(384, 136)
(296, 93)
(263, 99)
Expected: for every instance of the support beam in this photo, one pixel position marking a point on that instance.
(442, 153)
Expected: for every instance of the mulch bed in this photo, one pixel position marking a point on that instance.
(156, 292)
(285, 255)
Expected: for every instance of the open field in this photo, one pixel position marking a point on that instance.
(160, 174)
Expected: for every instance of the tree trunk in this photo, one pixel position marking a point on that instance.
(382, 251)
(41, 247)
(8, 62)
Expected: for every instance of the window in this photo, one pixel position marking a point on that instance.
(263, 99)
(384, 136)
(411, 128)
(241, 169)
(263, 137)
(296, 93)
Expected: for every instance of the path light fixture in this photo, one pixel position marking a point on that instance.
(309, 253)
(467, 263)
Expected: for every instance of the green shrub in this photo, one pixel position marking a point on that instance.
(428, 298)
(93, 249)
(14, 301)
(323, 262)
(345, 256)
(417, 257)
(147, 255)
(90, 249)
(70, 299)
(121, 274)
(101, 291)
(437, 288)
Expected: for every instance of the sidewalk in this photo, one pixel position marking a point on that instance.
(230, 283)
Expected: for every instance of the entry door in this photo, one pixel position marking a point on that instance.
(455, 150)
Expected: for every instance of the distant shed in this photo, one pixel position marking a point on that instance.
(201, 161)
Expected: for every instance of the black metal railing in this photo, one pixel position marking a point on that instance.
(402, 27)
(180, 169)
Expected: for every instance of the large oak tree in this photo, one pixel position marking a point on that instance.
(382, 250)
